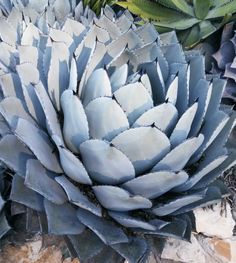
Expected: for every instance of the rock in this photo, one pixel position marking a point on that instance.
(212, 223)
(200, 250)
(34, 252)
(184, 251)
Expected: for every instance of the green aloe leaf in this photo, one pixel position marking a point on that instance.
(178, 25)
(221, 11)
(217, 3)
(180, 5)
(150, 10)
(206, 29)
(193, 37)
(201, 8)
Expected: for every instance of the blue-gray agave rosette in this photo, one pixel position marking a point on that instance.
(112, 132)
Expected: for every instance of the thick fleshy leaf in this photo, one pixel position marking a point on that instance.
(39, 143)
(155, 184)
(214, 103)
(155, 115)
(224, 138)
(98, 85)
(61, 9)
(183, 126)
(131, 222)
(117, 199)
(108, 255)
(58, 75)
(23, 195)
(197, 70)
(62, 219)
(73, 75)
(104, 229)
(199, 174)
(7, 59)
(179, 156)
(28, 73)
(33, 104)
(212, 196)
(28, 54)
(134, 99)
(4, 226)
(50, 113)
(75, 126)
(12, 107)
(38, 180)
(175, 229)
(106, 118)
(15, 159)
(146, 83)
(210, 130)
(119, 77)
(176, 204)
(172, 91)
(132, 251)
(77, 197)
(86, 245)
(10, 85)
(30, 36)
(7, 33)
(144, 146)
(201, 92)
(73, 167)
(211, 176)
(106, 164)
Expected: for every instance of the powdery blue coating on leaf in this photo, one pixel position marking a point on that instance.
(38, 180)
(105, 163)
(76, 197)
(134, 99)
(98, 85)
(131, 222)
(144, 146)
(39, 143)
(173, 205)
(73, 167)
(62, 219)
(75, 126)
(24, 195)
(17, 159)
(155, 115)
(118, 199)
(155, 184)
(105, 230)
(106, 118)
(176, 159)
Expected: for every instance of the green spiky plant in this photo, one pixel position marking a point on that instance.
(113, 134)
(194, 20)
(97, 5)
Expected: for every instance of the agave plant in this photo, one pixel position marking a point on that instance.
(114, 135)
(193, 20)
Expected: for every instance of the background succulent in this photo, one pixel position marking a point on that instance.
(225, 62)
(194, 20)
(113, 133)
